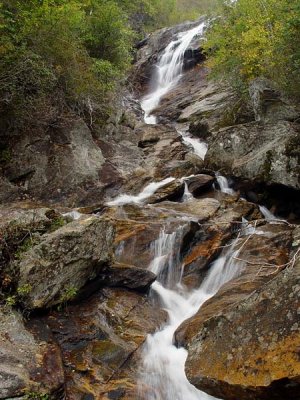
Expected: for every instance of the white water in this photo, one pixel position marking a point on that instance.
(187, 195)
(73, 215)
(147, 192)
(168, 70)
(224, 185)
(162, 376)
(200, 148)
(267, 214)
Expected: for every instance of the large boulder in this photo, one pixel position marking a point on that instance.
(269, 104)
(233, 356)
(30, 360)
(262, 152)
(55, 270)
(101, 340)
(51, 165)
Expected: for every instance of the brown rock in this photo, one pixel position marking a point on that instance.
(199, 184)
(231, 355)
(100, 338)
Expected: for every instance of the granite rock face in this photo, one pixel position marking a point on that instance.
(267, 152)
(64, 261)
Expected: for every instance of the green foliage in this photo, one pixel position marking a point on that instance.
(36, 396)
(56, 224)
(57, 56)
(24, 247)
(257, 38)
(69, 294)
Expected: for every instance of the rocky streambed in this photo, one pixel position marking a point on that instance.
(75, 307)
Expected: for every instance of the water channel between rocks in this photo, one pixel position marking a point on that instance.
(161, 374)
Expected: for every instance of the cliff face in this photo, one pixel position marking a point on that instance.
(75, 282)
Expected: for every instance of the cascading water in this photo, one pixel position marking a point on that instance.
(200, 148)
(224, 185)
(162, 375)
(267, 214)
(169, 70)
(147, 192)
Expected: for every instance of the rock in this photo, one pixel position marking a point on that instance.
(101, 340)
(179, 168)
(199, 184)
(128, 276)
(261, 152)
(170, 191)
(232, 356)
(49, 166)
(210, 99)
(30, 360)
(201, 209)
(269, 104)
(64, 261)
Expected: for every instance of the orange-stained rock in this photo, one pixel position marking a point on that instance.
(99, 339)
(244, 342)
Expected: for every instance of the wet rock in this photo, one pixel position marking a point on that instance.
(128, 276)
(199, 184)
(212, 234)
(30, 360)
(261, 152)
(171, 191)
(100, 341)
(201, 209)
(231, 355)
(64, 261)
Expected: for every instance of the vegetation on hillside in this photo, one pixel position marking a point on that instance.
(60, 58)
(257, 38)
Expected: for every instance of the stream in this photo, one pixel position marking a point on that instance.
(162, 375)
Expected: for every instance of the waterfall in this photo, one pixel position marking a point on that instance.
(162, 375)
(200, 148)
(267, 214)
(224, 185)
(168, 70)
(147, 192)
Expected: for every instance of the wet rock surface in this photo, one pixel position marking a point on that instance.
(90, 277)
(99, 339)
(238, 346)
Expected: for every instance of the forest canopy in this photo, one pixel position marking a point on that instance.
(253, 38)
